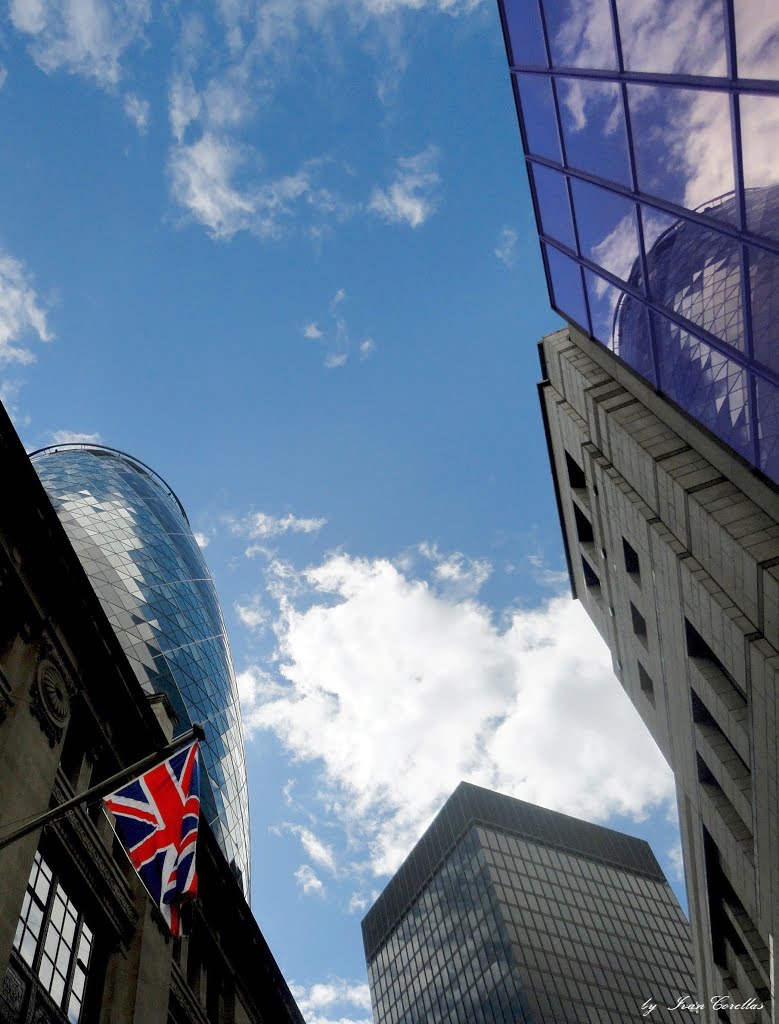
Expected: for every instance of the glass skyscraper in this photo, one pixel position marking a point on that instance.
(508, 913)
(134, 541)
(651, 132)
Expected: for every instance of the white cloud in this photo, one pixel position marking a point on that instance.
(21, 314)
(411, 198)
(334, 360)
(206, 179)
(201, 539)
(506, 248)
(557, 579)
(137, 110)
(73, 437)
(3, 75)
(459, 575)
(319, 851)
(334, 996)
(260, 524)
(88, 37)
(367, 348)
(677, 861)
(184, 105)
(357, 902)
(307, 879)
(531, 708)
(252, 614)
(312, 331)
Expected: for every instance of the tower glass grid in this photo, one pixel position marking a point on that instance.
(134, 541)
(650, 135)
(508, 913)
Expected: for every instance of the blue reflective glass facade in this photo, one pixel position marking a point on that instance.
(651, 133)
(135, 543)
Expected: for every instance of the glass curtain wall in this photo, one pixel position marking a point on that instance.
(650, 132)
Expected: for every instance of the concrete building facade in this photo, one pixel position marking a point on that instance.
(80, 939)
(673, 548)
(508, 913)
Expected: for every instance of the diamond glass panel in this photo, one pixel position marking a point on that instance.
(138, 550)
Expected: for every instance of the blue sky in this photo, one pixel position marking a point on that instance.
(284, 253)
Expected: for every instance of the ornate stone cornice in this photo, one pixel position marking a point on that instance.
(95, 863)
(183, 995)
(51, 692)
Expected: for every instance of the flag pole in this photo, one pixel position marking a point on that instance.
(106, 786)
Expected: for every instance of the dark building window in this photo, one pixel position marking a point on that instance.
(646, 684)
(53, 939)
(639, 623)
(590, 577)
(632, 564)
(576, 477)
(583, 526)
(699, 650)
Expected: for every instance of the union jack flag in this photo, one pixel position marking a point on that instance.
(156, 819)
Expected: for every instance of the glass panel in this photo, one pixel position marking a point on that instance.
(526, 37)
(768, 427)
(45, 972)
(607, 230)
(757, 38)
(57, 988)
(580, 34)
(696, 271)
(594, 133)
(760, 146)
(538, 114)
(764, 298)
(628, 324)
(603, 300)
(683, 148)
(672, 37)
(553, 205)
(711, 387)
(567, 293)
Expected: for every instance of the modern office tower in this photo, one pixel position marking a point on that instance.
(133, 538)
(650, 134)
(508, 913)
(673, 548)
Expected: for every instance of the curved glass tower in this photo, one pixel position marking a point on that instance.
(133, 538)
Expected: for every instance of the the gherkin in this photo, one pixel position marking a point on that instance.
(134, 540)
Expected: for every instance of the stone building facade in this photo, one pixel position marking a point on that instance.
(673, 548)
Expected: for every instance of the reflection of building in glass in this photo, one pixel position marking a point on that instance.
(632, 122)
(696, 273)
(135, 543)
(507, 912)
